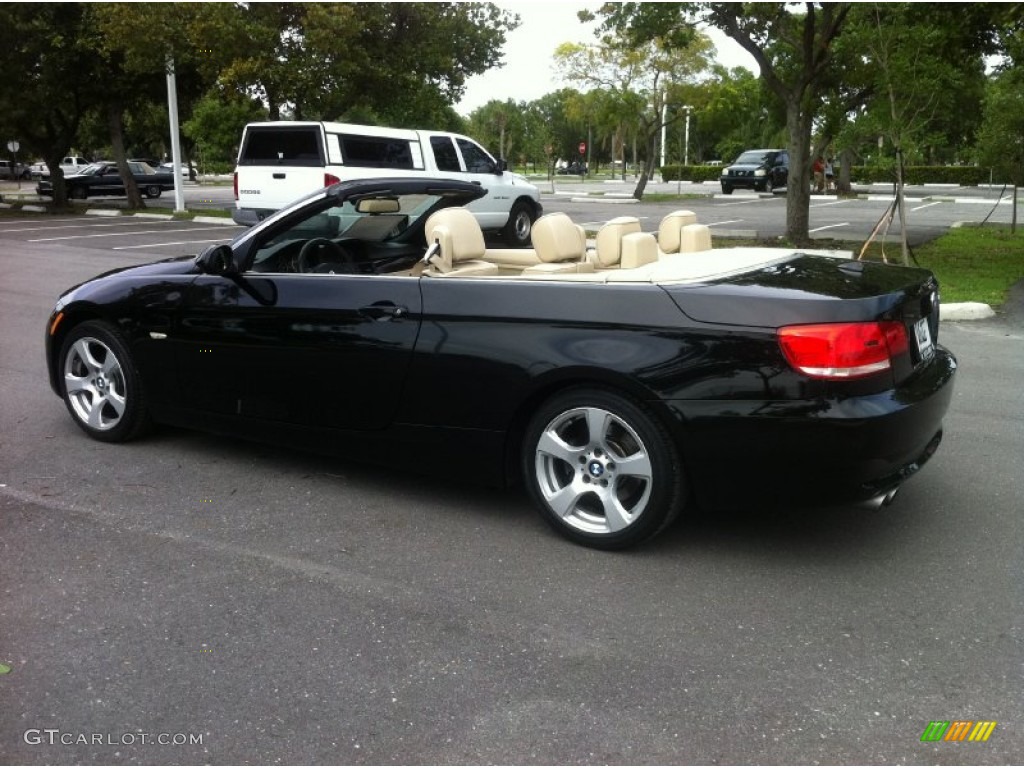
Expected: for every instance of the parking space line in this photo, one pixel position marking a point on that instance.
(830, 202)
(161, 245)
(140, 223)
(829, 226)
(926, 205)
(727, 221)
(123, 234)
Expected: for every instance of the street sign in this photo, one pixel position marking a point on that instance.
(13, 146)
(583, 147)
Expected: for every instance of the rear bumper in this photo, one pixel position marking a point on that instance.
(249, 216)
(828, 451)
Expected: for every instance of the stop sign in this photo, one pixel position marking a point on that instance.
(583, 147)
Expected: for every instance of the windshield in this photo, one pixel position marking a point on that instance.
(754, 157)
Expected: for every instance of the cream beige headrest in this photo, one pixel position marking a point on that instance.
(609, 239)
(638, 248)
(669, 229)
(459, 234)
(556, 238)
(694, 237)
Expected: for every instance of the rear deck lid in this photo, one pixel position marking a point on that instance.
(809, 289)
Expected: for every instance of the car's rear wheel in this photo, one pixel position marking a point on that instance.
(602, 469)
(520, 225)
(152, 191)
(78, 193)
(100, 385)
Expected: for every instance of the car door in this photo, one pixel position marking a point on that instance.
(314, 349)
(456, 157)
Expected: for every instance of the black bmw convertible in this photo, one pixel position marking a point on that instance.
(619, 379)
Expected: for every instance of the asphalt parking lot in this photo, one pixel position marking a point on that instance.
(280, 607)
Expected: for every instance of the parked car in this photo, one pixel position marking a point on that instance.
(188, 171)
(764, 170)
(573, 169)
(74, 164)
(104, 179)
(280, 161)
(38, 169)
(9, 170)
(370, 319)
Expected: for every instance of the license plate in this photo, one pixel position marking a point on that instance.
(923, 334)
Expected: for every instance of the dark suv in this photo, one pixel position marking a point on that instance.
(763, 170)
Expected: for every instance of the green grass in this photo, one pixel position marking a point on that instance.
(972, 263)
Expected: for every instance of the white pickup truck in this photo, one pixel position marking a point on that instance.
(280, 162)
(69, 165)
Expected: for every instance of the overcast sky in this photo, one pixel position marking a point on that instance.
(528, 73)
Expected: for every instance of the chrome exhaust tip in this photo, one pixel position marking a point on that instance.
(881, 500)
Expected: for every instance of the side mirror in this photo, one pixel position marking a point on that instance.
(501, 166)
(217, 260)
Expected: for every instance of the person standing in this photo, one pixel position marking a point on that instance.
(829, 175)
(819, 174)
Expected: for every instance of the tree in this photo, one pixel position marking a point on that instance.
(793, 50)
(1001, 139)
(52, 76)
(217, 122)
(639, 80)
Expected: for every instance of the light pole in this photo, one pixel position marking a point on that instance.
(686, 154)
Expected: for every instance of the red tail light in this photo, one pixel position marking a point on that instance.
(236, 185)
(843, 350)
(330, 179)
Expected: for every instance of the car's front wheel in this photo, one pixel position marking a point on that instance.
(520, 225)
(602, 469)
(769, 187)
(153, 191)
(100, 385)
(726, 189)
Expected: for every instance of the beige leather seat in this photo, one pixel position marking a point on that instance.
(694, 238)
(560, 246)
(461, 242)
(638, 248)
(609, 240)
(670, 230)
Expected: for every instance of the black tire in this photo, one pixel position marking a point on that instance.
(100, 385)
(520, 225)
(769, 187)
(582, 485)
(78, 193)
(726, 189)
(153, 191)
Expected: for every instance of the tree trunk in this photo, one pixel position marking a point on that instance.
(115, 116)
(901, 206)
(60, 190)
(798, 188)
(641, 185)
(1013, 214)
(844, 183)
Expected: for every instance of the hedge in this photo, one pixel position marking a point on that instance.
(691, 172)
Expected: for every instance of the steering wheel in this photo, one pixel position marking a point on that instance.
(312, 254)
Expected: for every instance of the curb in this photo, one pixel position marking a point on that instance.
(612, 200)
(968, 310)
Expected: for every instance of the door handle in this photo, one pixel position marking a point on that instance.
(279, 175)
(384, 311)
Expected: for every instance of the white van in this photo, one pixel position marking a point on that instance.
(281, 161)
